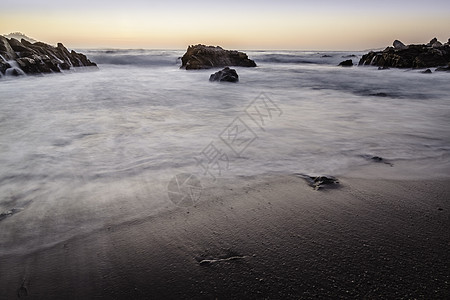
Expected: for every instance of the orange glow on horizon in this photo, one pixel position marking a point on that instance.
(270, 31)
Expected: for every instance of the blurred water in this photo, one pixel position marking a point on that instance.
(88, 148)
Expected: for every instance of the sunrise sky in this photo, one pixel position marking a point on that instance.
(288, 24)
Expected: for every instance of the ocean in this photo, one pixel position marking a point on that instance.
(90, 148)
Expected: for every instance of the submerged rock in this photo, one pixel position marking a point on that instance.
(38, 57)
(433, 54)
(226, 74)
(346, 63)
(206, 57)
(427, 71)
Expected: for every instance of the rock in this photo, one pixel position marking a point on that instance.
(320, 182)
(226, 74)
(399, 45)
(448, 43)
(38, 57)
(434, 40)
(346, 63)
(348, 56)
(437, 45)
(427, 71)
(326, 55)
(6, 51)
(206, 57)
(434, 54)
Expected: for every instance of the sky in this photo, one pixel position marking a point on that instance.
(237, 24)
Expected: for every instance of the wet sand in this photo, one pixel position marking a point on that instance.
(268, 236)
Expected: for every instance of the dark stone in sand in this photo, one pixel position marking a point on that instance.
(433, 54)
(346, 63)
(38, 57)
(226, 74)
(377, 159)
(8, 213)
(320, 182)
(207, 57)
(326, 56)
(427, 71)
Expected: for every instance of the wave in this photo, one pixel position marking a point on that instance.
(303, 57)
(144, 57)
(138, 57)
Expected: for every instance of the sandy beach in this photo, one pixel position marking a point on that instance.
(268, 236)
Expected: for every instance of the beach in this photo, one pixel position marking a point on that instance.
(269, 236)
(141, 180)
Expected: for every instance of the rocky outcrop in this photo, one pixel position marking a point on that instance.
(346, 63)
(433, 54)
(226, 74)
(19, 57)
(206, 57)
(399, 45)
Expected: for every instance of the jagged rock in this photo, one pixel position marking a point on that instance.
(206, 57)
(346, 63)
(427, 71)
(437, 44)
(5, 49)
(38, 57)
(399, 45)
(434, 40)
(226, 74)
(431, 55)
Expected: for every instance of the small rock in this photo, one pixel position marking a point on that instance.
(427, 71)
(346, 63)
(226, 74)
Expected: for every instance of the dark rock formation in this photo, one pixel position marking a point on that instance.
(434, 54)
(226, 74)
(399, 45)
(346, 63)
(19, 57)
(206, 57)
(427, 71)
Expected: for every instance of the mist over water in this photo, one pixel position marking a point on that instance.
(87, 149)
